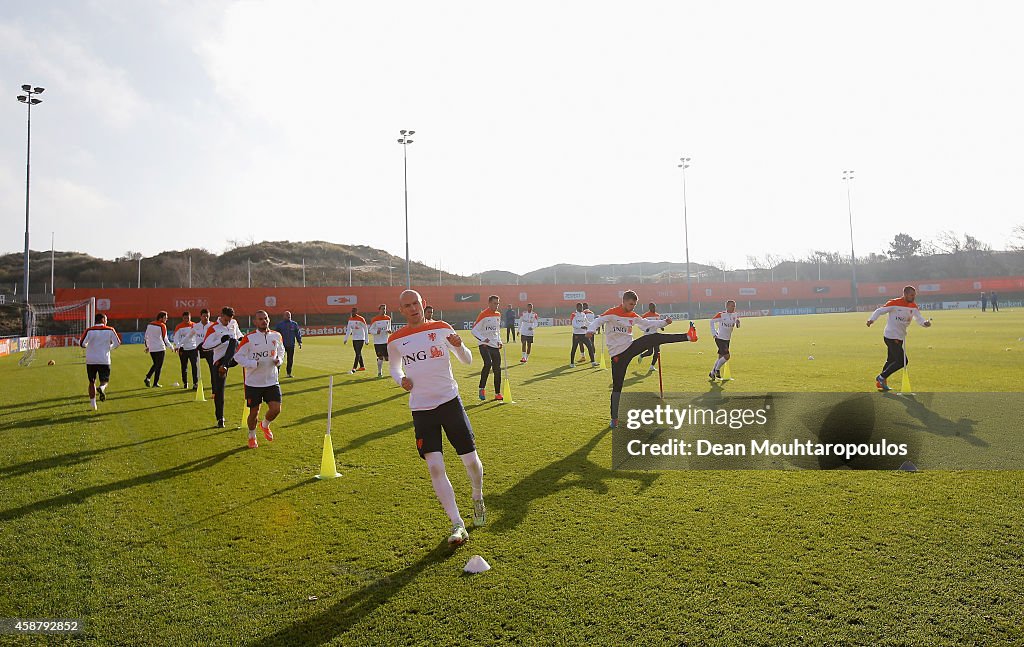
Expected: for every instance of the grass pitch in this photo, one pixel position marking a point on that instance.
(156, 528)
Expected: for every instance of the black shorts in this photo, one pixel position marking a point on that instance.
(450, 416)
(382, 351)
(103, 370)
(254, 395)
(723, 345)
(527, 338)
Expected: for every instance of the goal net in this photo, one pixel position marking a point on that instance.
(57, 325)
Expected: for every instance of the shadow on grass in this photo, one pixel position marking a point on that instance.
(339, 618)
(355, 408)
(80, 496)
(934, 423)
(81, 417)
(359, 441)
(74, 458)
(574, 471)
(547, 375)
(200, 522)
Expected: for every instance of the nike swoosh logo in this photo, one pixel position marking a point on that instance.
(404, 343)
(465, 298)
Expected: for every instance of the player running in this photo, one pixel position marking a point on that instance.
(652, 313)
(290, 334)
(261, 353)
(621, 345)
(185, 338)
(722, 325)
(380, 328)
(222, 338)
(98, 341)
(900, 312)
(356, 329)
(487, 332)
(156, 345)
(528, 322)
(422, 367)
(580, 322)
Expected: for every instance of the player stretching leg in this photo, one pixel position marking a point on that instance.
(722, 325)
(261, 352)
(652, 313)
(222, 340)
(900, 312)
(487, 332)
(98, 341)
(187, 342)
(621, 345)
(421, 365)
(156, 344)
(580, 322)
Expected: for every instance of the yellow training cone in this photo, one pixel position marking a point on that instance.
(506, 388)
(200, 396)
(726, 372)
(905, 388)
(328, 469)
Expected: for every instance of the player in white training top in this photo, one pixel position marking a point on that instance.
(722, 325)
(98, 341)
(261, 352)
(900, 312)
(420, 364)
(358, 331)
(487, 332)
(380, 328)
(528, 322)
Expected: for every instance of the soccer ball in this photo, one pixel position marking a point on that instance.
(53, 363)
(810, 357)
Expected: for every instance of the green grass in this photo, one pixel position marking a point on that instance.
(157, 528)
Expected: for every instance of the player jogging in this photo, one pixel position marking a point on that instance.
(98, 341)
(722, 325)
(621, 345)
(487, 332)
(156, 345)
(652, 313)
(380, 328)
(528, 322)
(580, 322)
(185, 338)
(290, 334)
(356, 329)
(900, 312)
(420, 364)
(222, 338)
(260, 352)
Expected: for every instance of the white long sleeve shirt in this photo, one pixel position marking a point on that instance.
(619, 327)
(186, 337)
(356, 329)
(528, 322)
(98, 341)
(215, 333)
(201, 329)
(900, 313)
(424, 352)
(261, 354)
(486, 328)
(579, 322)
(156, 337)
(651, 315)
(380, 328)
(723, 323)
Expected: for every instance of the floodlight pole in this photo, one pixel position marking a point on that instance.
(848, 177)
(684, 163)
(29, 99)
(405, 141)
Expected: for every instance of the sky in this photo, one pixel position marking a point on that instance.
(546, 132)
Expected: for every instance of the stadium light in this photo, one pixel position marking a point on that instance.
(848, 177)
(405, 141)
(684, 163)
(29, 100)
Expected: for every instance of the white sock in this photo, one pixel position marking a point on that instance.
(475, 471)
(443, 487)
(103, 387)
(380, 365)
(92, 401)
(721, 361)
(252, 433)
